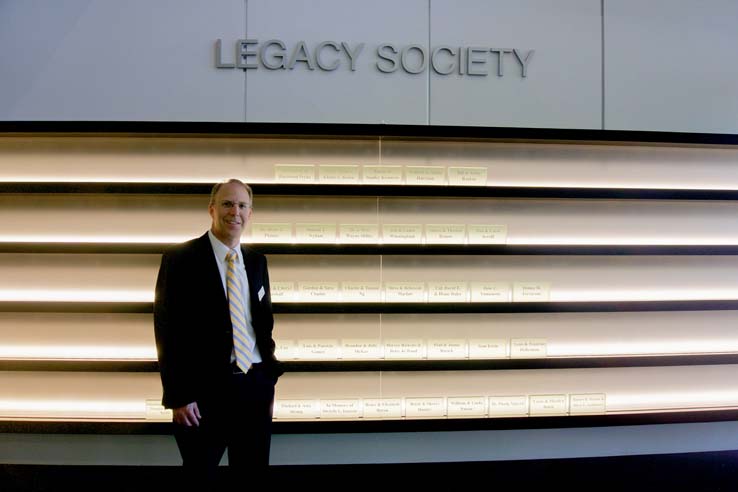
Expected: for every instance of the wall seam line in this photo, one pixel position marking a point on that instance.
(428, 101)
(245, 77)
(602, 33)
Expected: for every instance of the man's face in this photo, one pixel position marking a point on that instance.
(230, 211)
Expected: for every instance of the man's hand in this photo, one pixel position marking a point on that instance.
(187, 415)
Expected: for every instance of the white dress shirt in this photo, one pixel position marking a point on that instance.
(221, 251)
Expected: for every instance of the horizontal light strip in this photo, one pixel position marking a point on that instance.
(561, 296)
(607, 295)
(78, 352)
(99, 295)
(695, 346)
(72, 408)
(523, 241)
(682, 399)
(665, 346)
(512, 184)
(624, 241)
(94, 239)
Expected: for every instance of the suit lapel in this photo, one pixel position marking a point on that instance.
(210, 269)
(252, 276)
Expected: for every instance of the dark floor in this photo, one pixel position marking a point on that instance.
(715, 471)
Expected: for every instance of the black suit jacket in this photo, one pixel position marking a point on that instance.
(192, 323)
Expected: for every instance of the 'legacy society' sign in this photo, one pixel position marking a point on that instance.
(274, 54)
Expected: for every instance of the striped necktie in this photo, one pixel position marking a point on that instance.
(242, 343)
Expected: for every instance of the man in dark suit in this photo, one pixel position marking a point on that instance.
(213, 324)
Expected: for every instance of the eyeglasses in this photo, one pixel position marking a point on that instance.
(227, 204)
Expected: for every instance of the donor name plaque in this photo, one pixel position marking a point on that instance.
(531, 291)
(294, 173)
(318, 349)
(358, 233)
(404, 349)
(527, 348)
(404, 292)
(549, 405)
(402, 233)
(447, 349)
(425, 175)
(589, 403)
(490, 292)
(447, 292)
(318, 291)
(271, 233)
(425, 407)
(475, 406)
(467, 176)
(331, 174)
(508, 406)
(445, 233)
(283, 292)
(369, 349)
(341, 409)
(383, 408)
(315, 233)
(296, 409)
(383, 175)
(361, 292)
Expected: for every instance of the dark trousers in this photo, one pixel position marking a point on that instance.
(236, 416)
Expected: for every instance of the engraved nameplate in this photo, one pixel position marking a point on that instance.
(467, 176)
(474, 406)
(447, 291)
(315, 233)
(342, 174)
(508, 406)
(361, 292)
(285, 349)
(425, 175)
(294, 173)
(531, 291)
(404, 292)
(588, 403)
(487, 234)
(382, 175)
(341, 409)
(156, 411)
(383, 408)
(402, 233)
(425, 407)
(487, 349)
(327, 349)
(271, 233)
(445, 233)
(367, 349)
(527, 348)
(490, 292)
(319, 291)
(447, 349)
(283, 292)
(358, 234)
(549, 404)
(404, 349)
(296, 409)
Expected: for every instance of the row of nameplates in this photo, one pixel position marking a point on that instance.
(411, 349)
(440, 407)
(380, 175)
(331, 233)
(410, 291)
(433, 407)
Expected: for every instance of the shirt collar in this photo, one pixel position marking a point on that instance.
(221, 250)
